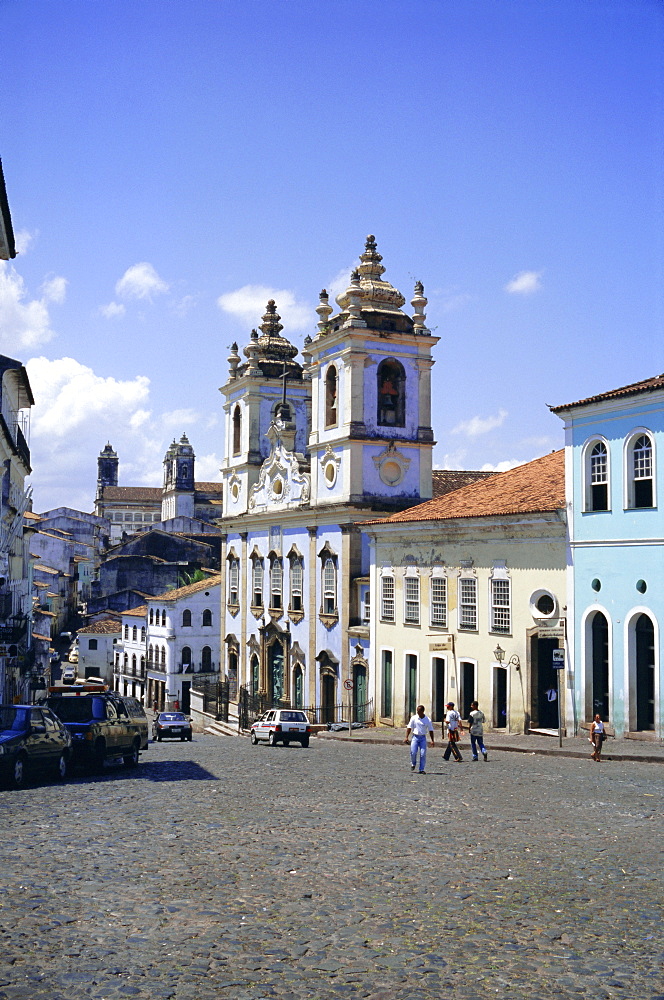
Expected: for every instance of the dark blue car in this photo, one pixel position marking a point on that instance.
(32, 740)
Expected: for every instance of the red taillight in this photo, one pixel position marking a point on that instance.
(308, 729)
(277, 729)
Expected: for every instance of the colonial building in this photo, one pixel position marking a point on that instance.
(312, 451)
(132, 509)
(181, 641)
(15, 568)
(130, 669)
(96, 649)
(615, 484)
(468, 600)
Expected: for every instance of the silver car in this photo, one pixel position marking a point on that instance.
(282, 725)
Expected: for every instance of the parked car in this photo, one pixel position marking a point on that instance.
(281, 725)
(172, 726)
(32, 739)
(68, 674)
(73, 655)
(103, 725)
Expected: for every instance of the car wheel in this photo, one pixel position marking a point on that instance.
(98, 756)
(61, 768)
(131, 759)
(190, 737)
(182, 739)
(272, 739)
(253, 738)
(286, 743)
(159, 738)
(305, 742)
(19, 771)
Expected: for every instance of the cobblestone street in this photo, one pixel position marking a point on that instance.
(216, 869)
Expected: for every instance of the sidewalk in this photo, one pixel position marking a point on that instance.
(641, 751)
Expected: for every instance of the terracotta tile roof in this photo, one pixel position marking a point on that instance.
(192, 588)
(47, 569)
(31, 516)
(139, 612)
(105, 626)
(447, 480)
(531, 488)
(45, 638)
(647, 385)
(209, 487)
(135, 493)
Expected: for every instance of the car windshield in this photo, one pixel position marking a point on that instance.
(293, 717)
(78, 709)
(172, 717)
(13, 719)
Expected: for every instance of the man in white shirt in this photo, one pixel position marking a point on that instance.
(419, 726)
(453, 723)
(476, 722)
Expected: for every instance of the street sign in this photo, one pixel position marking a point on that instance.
(348, 684)
(559, 659)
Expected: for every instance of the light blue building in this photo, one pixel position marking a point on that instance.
(614, 448)
(312, 449)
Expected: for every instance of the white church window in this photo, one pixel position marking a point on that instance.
(391, 393)
(257, 584)
(412, 600)
(331, 386)
(387, 598)
(234, 582)
(276, 584)
(439, 601)
(468, 603)
(640, 471)
(296, 576)
(329, 587)
(500, 606)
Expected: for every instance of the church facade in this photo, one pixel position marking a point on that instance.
(313, 450)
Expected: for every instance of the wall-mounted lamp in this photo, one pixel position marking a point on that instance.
(499, 654)
(515, 661)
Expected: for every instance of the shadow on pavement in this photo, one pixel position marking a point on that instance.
(163, 770)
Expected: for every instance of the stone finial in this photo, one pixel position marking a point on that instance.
(324, 310)
(354, 295)
(233, 361)
(370, 266)
(418, 302)
(271, 327)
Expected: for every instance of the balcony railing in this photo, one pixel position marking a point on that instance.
(185, 668)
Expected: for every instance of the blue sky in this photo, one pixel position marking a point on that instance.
(170, 165)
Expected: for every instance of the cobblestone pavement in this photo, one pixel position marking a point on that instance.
(220, 870)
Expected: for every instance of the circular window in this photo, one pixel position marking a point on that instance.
(543, 604)
(330, 473)
(641, 586)
(596, 585)
(278, 487)
(390, 473)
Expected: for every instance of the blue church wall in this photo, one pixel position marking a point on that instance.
(411, 389)
(409, 485)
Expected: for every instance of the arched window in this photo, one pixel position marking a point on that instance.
(186, 658)
(206, 660)
(599, 637)
(640, 470)
(150, 654)
(142, 666)
(597, 477)
(331, 396)
(257, 583)
(163, 618)
(329, 587)
(391, 393)
(233, 583)
(237, 430)
(142, 633)
(186, 618)
(163, 656)
(133, 664)
(134, 634)
(126, 661)
(276, 584)
(151, 616)
(296, 575)
(207, 617)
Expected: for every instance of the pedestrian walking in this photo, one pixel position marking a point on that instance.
(476, 720)
(453, 724)
(597, 736)
(418, 727)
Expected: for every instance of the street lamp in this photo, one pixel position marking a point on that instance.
(499, 654)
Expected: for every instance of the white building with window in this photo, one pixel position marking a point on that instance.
(97, 646)
(470, 600)
(615, 483)
(182, 640)
(130, 669)
(312, 450)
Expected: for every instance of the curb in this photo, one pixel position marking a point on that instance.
(542, 752)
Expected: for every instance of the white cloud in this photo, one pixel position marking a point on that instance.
(140, 281)
(112, 310)
(23, 239)
(525, 283)
(340, 283)
(248, 305)
(55, 289)
(480, 425)
(77, 411)
(453, 302)
(502, 466)
(24, 323)
(454, 460)
(184, 305)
